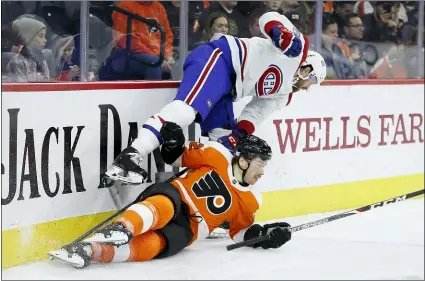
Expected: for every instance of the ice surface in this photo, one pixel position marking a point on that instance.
(384, 243)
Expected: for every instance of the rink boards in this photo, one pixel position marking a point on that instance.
(336, 147)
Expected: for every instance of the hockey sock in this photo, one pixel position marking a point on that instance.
(152, 213)
(142, 248)
(149, 138)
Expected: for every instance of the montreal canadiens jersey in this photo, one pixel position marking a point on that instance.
(212, 193)
(263, 71)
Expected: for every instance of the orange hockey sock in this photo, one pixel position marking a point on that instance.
(142, 248)
(152, 213)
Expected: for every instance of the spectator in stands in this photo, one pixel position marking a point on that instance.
(66, 69)
(392, 65)
(173, 13)
(254, 25)
(340, 10)
(352, 45)
(352, 34)
(287, 5)
(362, 8)
(28, 65)
(329, 32)
(274, 5)
(238, 24)
(337, 62)
(295, 18)
(382, 24)
(305, 10)
(145, 44)
(353, 27)
(216, 23)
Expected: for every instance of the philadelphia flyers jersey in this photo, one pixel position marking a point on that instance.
(212, 193)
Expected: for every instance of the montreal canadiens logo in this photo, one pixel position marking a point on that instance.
(270, 82)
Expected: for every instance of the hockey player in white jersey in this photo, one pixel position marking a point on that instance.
(220, 72)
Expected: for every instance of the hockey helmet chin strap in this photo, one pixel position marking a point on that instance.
(243, 183)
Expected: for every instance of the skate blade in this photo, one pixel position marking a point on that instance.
(68, 258)
(217, 233)
(116, 240)
(116, 174)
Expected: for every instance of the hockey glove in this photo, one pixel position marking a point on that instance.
(286, 41)
(173, 141)
(232, 139)
(279, 234)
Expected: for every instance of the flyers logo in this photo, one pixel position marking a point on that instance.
(214, 190)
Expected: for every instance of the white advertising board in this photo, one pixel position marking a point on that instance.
(55, 145)
(338, 134)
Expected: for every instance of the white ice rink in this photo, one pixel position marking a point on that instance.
(385, 243)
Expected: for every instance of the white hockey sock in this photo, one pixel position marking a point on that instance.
(146, 141)
(149, 137)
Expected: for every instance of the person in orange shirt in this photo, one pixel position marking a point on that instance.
(145, 40)
(170, 216)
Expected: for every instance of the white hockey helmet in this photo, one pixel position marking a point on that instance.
(317, 63)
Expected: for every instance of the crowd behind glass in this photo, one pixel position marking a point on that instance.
(60, 41)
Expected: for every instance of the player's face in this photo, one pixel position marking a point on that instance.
(303, 82)
(255, 170)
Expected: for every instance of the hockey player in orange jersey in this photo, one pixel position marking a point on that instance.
(171, 216)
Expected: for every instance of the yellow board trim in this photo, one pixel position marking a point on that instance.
(24, 244)
(328, 198)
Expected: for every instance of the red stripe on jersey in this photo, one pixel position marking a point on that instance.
(203, 76)
(244, 58)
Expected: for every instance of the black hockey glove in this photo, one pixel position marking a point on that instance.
(173, 142)
(279, 235)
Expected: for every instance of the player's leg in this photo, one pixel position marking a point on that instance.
(157, 206)
(207, 78)
(161, 243)
(142, 248)
(156, 227)
(221, 119)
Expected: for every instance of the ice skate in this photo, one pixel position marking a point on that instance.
(220, 232)
(127, 167)
(78, 255)
(114, 234)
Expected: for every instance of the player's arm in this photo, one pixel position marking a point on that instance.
(257, 110)
(254, 113)
(283, 34)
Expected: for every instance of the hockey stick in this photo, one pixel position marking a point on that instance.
(119, 212)
(329, 219)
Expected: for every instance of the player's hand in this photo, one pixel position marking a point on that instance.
(166, 67)
(172, 136)
(231, 140)
(170, 60)
(286, 41)
(279, 235)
